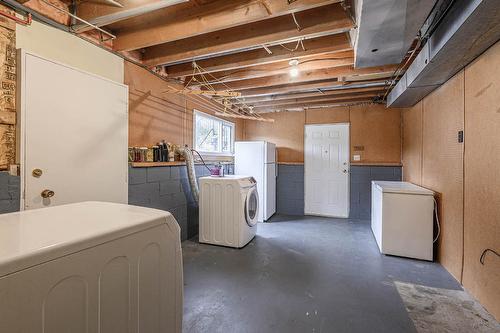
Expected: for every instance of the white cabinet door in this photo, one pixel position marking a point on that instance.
(327, 170)
(74, 129)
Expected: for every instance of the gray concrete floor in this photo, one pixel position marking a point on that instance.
(301, 274)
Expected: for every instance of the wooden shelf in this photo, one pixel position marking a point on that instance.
(170, 164)
(291, 163)
(352, 163)
(156, 164)
(375, 164)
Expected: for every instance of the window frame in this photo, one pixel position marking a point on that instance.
(221, 123)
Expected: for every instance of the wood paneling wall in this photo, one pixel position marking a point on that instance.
(412, 144)
(373, 127)
(464, 175)
(378, 131)
(155, 115)
(442, 166)
(482, 179)
(287, 132)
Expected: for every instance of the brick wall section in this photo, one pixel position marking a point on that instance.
(9, 193)
(361, 187)
(290, 190)
(167, 188)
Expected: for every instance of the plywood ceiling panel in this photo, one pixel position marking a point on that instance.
(412, 144)
(482, 181)
(442, 167)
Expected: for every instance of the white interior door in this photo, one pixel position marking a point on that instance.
(327, 170)
(74, 129)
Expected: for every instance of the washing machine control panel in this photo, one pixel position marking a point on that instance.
(247, 182)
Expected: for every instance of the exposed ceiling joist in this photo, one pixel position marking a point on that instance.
(317, 22)
(112, 15)
(312, 104)
(271, 98)
(317, 46)
(156, 28)
(309, 76)
(317, 99)
(279, 68)
(308, 87)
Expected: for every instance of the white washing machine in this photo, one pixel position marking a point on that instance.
(228, 210)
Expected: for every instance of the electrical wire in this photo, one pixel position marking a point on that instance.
(399, 71)
(481, 259)
(201, 158)
(437, 221)
(209, 85)
(228, 75)
(421, 39)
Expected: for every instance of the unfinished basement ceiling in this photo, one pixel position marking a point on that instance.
(249, 47)
(387, 28)
(297, 52)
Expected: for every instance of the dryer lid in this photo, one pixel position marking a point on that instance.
(32, 237)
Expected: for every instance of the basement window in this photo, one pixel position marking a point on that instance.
(212, 135)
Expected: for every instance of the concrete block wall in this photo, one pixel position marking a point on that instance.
(10, 193)
(361, 179)
(290, 188)
(167, 188)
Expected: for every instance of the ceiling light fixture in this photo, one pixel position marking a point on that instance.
(294, 70)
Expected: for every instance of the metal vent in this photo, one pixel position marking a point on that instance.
(469, 28)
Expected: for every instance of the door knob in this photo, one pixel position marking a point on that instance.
(47, 194)
(37, 173)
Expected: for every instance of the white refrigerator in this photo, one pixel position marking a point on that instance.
(258, 159)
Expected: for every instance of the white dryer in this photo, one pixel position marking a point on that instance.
(228, 210)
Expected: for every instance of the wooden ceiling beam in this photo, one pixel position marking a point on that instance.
(325, 103)
(100, 14)
(308, 76)
(314, 23)
(313, 47)
(317, 99)
(340, 92)
(306, 87)
(163, 27)
(279, 68)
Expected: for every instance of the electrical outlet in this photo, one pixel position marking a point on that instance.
(356, 157)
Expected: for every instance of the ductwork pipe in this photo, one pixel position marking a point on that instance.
(193, 184)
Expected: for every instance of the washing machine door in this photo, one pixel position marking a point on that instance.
(251, 206)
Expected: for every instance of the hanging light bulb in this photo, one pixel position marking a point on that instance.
(294, 69)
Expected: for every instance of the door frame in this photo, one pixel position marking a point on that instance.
(348, 170)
